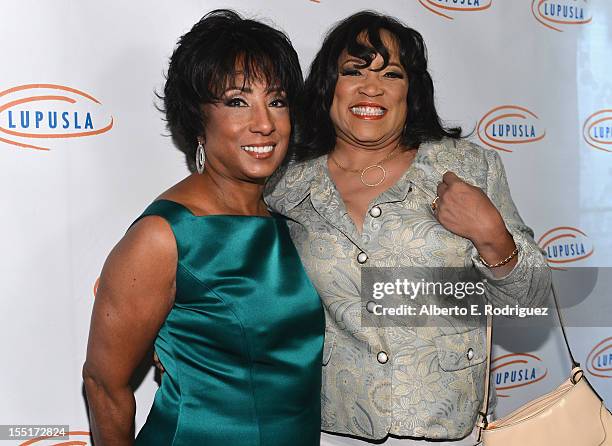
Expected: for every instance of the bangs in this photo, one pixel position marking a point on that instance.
(240, 62)
(365, 44)
(365, 40)
(243, 69)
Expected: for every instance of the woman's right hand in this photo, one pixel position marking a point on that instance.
(135, 295)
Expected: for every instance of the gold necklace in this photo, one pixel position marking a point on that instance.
(377, 165)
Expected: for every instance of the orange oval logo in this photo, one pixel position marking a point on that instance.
(557, 14)
(446, 8)
(29, 113)
(565, 244)
(516, 370)
(77, 438)
(508, 125)
(597, 130)
(599, 360)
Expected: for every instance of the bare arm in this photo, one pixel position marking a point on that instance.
(135, 295)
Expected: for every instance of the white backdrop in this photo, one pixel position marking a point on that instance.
(530, 77)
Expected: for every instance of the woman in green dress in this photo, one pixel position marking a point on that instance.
(206, 273)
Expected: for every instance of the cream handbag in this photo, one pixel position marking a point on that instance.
(571, 415)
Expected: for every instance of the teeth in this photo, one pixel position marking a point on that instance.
(258, 149)
(368, 111)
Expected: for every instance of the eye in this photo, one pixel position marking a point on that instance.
(236, 102)
(279, 103)
(394, 75)
(350, 72)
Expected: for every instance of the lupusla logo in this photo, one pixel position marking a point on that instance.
(76, 438)
(565, 244)
(33, 112)
(597, 130)
(508, 125)
(516, 370)
(599, 360)
(558, 14)
(446, 8)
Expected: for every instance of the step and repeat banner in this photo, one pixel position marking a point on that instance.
(83, 150)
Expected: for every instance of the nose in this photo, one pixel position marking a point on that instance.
(371, 86)
(261, 120)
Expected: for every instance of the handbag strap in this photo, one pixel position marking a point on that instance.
(482, 423)
(560, 315)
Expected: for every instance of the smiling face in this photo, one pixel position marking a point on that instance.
(369, 108)
(247, 131)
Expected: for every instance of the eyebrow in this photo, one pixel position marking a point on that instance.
(236, 87)
(250, 90)
(275, 90)
(356, 61)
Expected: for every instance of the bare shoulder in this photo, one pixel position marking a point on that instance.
(151, 234)
(189, 193)
(145, 258)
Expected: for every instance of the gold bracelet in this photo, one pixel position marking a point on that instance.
(501, 262)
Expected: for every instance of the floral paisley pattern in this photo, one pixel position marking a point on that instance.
(427, 388)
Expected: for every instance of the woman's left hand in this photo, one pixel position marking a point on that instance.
(465, 210)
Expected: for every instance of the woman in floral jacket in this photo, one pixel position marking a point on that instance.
(377, 181)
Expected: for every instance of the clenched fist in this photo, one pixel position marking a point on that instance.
(465, 210)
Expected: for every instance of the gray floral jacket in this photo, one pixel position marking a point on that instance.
(406, 381)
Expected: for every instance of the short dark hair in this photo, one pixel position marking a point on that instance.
(315, 133)
(205, 60)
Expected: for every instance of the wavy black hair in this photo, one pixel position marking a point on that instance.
(315, 131)
(205, 62)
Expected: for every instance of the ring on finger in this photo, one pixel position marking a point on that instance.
(434, 204)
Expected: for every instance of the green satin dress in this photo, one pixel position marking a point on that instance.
(243, 342)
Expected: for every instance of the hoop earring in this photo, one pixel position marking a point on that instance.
(200, 158)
